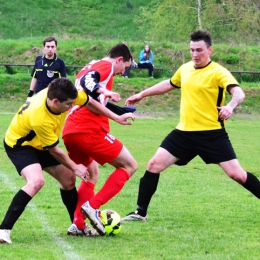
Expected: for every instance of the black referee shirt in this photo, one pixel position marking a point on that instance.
(46, 70)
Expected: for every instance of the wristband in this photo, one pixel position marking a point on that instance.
(30, 93)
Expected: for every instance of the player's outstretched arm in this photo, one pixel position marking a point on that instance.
(114, 96)
(78, 169)
(158, 89)
(123, 119)
(97, 108)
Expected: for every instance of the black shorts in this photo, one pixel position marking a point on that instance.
(26, 155)
(212, 146)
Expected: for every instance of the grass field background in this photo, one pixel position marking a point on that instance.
(196, 213)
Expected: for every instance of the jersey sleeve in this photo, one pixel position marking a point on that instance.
(63, 69)
(226, 79)
(33, 74)
(90, 83)
(82, 98)
(176, 79)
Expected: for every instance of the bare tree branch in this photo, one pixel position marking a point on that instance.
(257, 2)
(199, 15)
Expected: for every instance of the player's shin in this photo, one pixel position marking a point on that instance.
(252, 184)
(69, 198)
(147, 187)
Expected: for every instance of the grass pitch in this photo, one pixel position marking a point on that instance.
(197, 213)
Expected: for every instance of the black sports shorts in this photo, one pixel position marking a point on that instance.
(26, 155)
(212, 146)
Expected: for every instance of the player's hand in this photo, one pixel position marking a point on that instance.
(123, 119)
(113, 95)
(82, 172)
(225, 112)
(133, 99)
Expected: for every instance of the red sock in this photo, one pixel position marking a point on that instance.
(85, 192)
(114, 183)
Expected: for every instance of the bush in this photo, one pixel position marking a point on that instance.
(231, 59)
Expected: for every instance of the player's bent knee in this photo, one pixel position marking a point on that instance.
(36, 185)
(155, 166)
(70, 183)
(133, 168)
(238, 177)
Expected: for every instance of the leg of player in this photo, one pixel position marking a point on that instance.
(34, 182)
(249, 181)
(85, 193)
(67, 181)
(125, 166)
(148, 184)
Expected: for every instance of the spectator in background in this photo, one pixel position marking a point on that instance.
(146, 60)
(127, 70)
(47, 67)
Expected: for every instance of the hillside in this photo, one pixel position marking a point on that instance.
(169, 56)
(87, 29)
(109, 19)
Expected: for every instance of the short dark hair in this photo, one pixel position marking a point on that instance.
(62, 89)
(50, 39)
(201, 35)
(120, 50)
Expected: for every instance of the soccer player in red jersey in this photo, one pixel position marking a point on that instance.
(88, 140)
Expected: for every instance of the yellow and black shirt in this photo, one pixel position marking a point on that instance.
(202, 90)
(35, 125)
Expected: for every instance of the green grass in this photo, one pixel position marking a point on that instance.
(87, 29)
(14, 89)
(88, 18)
(197, 212)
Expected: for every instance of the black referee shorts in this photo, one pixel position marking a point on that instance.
(212, 146)
(26, 155)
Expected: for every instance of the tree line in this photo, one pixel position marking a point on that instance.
(229, 21)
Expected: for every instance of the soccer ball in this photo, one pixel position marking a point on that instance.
(111, 221)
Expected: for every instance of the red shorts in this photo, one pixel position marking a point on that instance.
(84, 148)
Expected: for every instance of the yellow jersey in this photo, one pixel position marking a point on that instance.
(202, 90)
(35, 125)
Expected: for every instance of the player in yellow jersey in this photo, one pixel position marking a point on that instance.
(201, 129)
(31, 143)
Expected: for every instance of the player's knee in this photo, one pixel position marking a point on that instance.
(154, 165)
(239, 177)
(36, 184)
(70, 183)
(133, 168)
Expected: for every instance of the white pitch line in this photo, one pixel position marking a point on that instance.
(7, 113)
(68, 251)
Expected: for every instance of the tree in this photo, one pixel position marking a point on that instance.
(199, 14)
(231, 20)
(226, 20)
(169, 19)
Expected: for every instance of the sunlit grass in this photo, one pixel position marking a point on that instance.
(196, 213)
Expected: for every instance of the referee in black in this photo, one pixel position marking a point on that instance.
(47, 67)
